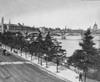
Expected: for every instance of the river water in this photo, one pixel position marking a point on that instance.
(71, 43)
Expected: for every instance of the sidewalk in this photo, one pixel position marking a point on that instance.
(64, 73)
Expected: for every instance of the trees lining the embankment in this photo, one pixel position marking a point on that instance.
(46, 48)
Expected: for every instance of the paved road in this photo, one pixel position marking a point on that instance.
(15, 71)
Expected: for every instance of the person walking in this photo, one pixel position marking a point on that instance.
(80, 77)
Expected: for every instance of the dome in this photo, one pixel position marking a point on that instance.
(95, 27)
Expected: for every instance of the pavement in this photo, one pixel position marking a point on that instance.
(17, 69)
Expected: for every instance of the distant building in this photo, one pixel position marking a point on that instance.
(95, 28)
(15, 27)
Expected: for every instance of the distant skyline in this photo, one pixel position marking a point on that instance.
(52, 13)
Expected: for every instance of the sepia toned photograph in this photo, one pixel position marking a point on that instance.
(49, 40)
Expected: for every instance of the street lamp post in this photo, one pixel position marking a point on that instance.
(46, 58)
(57, 64)
(57, 59)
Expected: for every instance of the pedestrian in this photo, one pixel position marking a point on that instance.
(80, 77)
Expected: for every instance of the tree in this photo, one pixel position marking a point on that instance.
(87, 57)
(26, 47)
(11, 40)
(53, 50)
(39, 46)
(32, 48)
(7, 38)
(20, 41)
(48, 44)
(58, 53)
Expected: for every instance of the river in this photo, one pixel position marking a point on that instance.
(71, 43)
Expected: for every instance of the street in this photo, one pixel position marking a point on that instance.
(15, 69)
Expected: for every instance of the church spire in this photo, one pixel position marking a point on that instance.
(9, 21)
(2, 20)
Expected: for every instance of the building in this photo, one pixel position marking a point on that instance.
(16, 27)
(95, 28)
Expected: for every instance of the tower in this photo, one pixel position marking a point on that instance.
(8, 25)
(9, 21)
(2, 24)
(65, 28)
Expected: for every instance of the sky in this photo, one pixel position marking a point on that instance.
(73, 14)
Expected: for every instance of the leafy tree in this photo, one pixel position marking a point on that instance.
(11, 40)
(26, 47)
(48, 44)
(87, 57)
(20, 42)
(58, 53)
(52, 49)
(7, 38)
(39, 46)
(32, 48)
